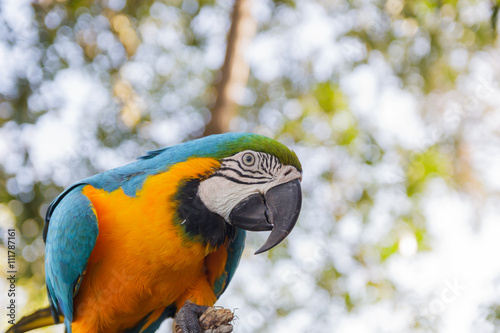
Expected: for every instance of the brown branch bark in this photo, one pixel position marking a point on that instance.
(235, 70)
(214, 320)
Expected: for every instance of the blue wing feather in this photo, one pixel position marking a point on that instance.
(69, 243)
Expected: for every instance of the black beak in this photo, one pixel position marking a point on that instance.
(277, 210)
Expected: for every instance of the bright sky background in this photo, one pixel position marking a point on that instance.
(450, 285)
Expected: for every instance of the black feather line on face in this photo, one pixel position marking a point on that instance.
(237, 181)
(242, 167)
(239, 173)
(197, 220)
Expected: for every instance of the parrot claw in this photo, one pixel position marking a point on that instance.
(188, 315)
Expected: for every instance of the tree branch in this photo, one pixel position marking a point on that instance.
(235, 70)
(214, 320)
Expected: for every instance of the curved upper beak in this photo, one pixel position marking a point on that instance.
(277, 210)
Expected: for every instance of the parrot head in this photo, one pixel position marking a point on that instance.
(256, 188)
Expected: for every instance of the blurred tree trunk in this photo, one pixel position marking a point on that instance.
(235, 70)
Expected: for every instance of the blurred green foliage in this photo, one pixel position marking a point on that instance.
(417, 40)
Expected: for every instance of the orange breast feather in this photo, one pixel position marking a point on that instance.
(142, 260)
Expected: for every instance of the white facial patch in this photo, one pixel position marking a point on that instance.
(240, 176)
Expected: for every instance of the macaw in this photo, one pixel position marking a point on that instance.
(162, 237)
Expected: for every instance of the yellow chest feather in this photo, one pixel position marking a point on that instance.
(141, 260)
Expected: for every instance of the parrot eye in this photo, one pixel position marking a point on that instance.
(248, 159)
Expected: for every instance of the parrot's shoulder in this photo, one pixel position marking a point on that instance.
(129, 177)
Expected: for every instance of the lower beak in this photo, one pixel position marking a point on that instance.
(277, 210)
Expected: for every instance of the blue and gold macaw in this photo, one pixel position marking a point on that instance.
(163, 236)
